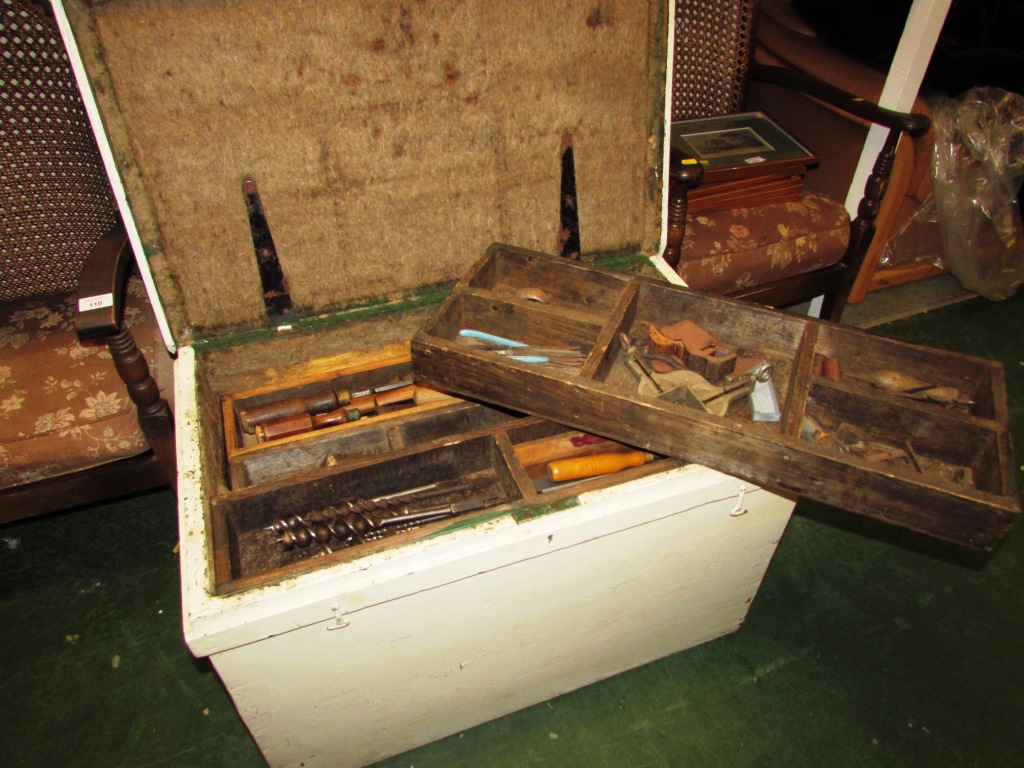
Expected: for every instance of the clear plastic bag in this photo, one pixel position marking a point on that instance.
(918, 241)
(977, 172)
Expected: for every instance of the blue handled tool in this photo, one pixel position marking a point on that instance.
(469, 333)
(502, 341)
(527, 353)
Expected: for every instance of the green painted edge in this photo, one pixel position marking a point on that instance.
(520, 514)
(622, 260)
(425, 297)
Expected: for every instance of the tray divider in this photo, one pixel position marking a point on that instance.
(236, 472)
(1000, 405)
(223, 551)
(601, 356)
(515, 467)
(794, 406)
(1008, 472)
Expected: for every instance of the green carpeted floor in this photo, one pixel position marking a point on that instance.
(864, 647)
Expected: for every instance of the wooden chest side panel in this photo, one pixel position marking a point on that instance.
(389, 140)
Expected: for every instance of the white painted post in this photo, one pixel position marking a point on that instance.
(921, 32)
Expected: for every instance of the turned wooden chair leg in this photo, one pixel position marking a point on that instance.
(155, 416)
(677, 205)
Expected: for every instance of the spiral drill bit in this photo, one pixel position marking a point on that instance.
(393, 503)
(349, 527)
(364, 519)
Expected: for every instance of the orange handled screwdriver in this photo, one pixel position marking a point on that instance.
(297, 425)
(597, 464)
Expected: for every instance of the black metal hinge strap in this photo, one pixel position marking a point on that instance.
(569, 234)
(276, 299)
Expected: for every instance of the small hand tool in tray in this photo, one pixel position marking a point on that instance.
(678, 382)
(568, 356)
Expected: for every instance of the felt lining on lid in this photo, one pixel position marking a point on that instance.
(391, 142)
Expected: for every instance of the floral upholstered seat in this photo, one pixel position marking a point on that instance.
(744, 247)
(62, 406)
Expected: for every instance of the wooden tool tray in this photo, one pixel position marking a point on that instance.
(945, 470)
(411, 459)
(400, 423)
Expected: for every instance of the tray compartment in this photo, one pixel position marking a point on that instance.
(503, 466)
(366, 439)
(519, 321)
(925, 446)
(462, 417)
(519, 276)
(539, 443)
(775, 338)
(355, 379)
(390, 428)
(245, 516)
(862, 356)
(535, 325)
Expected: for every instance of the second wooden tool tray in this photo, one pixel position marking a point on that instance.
(338, 490)
(851, 439)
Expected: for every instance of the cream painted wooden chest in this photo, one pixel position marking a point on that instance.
(390, 143)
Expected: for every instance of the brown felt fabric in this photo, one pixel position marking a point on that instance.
(392, 142)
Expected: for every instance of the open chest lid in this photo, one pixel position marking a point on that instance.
(389, 141)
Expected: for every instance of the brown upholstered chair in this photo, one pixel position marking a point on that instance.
(778, 254)
(81, 417)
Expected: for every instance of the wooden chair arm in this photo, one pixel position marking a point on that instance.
(101, 292)
(101, 286)
(686, 171)
(913, 123)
